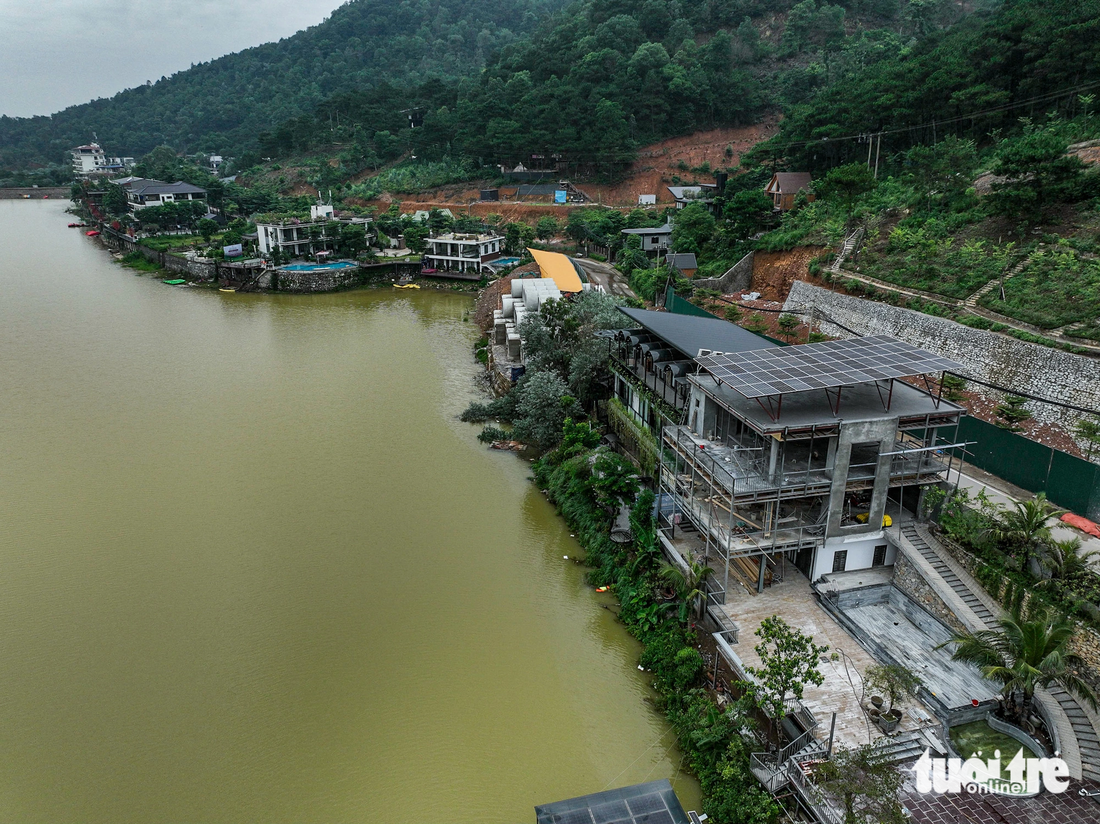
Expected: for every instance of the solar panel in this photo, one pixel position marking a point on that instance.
(762, 372)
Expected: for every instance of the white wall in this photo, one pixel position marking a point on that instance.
(861, 553)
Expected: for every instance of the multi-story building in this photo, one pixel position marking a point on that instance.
(799, 451)
(465, 254)
(88, 160)
(91, 160)
(765, 451)
(298, 238)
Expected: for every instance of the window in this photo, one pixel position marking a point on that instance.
(840, 560)
(880, 556)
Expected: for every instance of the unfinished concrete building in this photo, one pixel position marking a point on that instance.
(799, 454)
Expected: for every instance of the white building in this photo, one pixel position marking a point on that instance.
(91, 160)
(301, 238)
(462, 253)
(88, 160)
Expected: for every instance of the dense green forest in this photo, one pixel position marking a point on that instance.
(223, 104)
(1024, 58)
(606, 76)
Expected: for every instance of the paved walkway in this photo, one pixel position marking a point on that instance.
(966, 808)
(1075, 724)
(794, 600)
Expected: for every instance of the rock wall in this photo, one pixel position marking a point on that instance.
(736, 279)
(1085, 643)
(33, 193)
(908, 578)
(987, 356)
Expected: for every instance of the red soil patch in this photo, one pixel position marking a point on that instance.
(652, 172)
(774, 272)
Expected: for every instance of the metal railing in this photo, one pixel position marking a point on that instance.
(675, 395)
(811, 795)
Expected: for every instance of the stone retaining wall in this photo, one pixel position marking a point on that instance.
(31, 193)
(283, 281)
(987, 356)
(737, 278)
(908, 578)
(1085, 643)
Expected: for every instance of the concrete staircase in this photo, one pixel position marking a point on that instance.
(1088, 740)
(949, 576)
(850, 243)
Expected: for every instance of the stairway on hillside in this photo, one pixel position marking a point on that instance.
(849, 246)
(1088, 741)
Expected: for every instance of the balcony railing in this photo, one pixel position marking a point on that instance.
(672, 393)
(744, 470)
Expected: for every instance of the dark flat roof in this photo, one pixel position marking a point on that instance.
(682, 260)
(159, 187)
(690, 334)
(651, 230)
(654, 802)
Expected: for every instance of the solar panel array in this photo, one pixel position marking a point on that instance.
(647, 809)
(762, 372)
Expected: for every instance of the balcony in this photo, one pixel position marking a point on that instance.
(655, 380)
(744, 472)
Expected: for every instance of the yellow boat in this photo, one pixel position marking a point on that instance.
(227, 290)
(405, 286)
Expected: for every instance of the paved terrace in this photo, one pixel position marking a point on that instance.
(794, 600)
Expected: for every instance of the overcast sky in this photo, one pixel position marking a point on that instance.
(54, 53)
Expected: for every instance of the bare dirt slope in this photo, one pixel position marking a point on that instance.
(658, 166)
(774, 272)
(658, 163)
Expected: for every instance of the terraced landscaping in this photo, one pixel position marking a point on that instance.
(927, 258)
(1057, 287)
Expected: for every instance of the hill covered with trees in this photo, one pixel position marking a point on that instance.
(223, 104)
(602, 77)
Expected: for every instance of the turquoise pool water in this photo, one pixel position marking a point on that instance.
(319, 267)
(506, 261)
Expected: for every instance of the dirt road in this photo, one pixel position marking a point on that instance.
(611, 279)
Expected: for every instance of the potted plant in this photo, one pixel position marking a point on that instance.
(895, 682)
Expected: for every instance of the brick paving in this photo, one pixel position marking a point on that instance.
(1045, 808)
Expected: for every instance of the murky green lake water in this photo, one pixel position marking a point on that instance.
(254, 569)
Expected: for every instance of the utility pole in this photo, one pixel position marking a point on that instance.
(878, 148)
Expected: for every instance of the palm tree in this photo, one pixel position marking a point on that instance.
(1027, 653)
(690, 586)
(1064, 559)
(1025, 528)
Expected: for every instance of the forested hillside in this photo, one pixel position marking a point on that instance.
(223, 104)
(606, 76)
(1024, 58)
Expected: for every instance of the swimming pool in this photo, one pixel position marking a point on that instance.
(505, 261)
(319, 267)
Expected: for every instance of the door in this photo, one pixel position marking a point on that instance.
(840, 560)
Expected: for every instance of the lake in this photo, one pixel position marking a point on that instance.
(254, 568)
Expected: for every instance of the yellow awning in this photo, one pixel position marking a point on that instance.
(559, 268)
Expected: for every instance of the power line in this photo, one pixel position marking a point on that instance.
(1049, 96)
